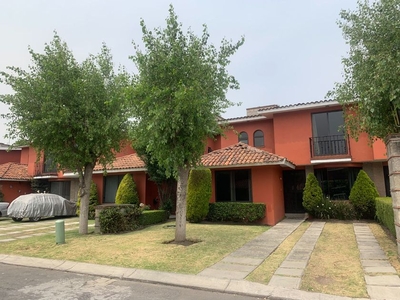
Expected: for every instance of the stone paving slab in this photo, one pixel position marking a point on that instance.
(233, 267)
(289, 272)
(223, 274)
(285, 282)
(375, 263)
(383, 293)
(383, 280)
(380, 270)
(243, 260)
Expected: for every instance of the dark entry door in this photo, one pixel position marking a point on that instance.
(293, 185)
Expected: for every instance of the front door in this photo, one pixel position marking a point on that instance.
(293, 185)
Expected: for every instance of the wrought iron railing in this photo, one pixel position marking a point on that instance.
(329, 145)
(45, 169)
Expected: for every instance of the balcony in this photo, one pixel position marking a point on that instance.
(43, 169)
(333, 145)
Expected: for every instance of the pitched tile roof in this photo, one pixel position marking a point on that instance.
(14, 171)
(131, 161)
(242, 154)
(297, 105)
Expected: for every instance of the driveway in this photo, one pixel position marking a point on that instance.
(11, 231)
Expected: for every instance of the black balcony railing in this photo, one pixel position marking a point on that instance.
(45, 169)
(329, 145)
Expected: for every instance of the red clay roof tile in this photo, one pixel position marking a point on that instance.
(242, 154)
(131, 161)
(14, 171)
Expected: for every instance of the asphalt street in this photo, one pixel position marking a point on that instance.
(18, 282)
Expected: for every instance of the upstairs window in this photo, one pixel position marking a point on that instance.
(258, 137)
(243, 137)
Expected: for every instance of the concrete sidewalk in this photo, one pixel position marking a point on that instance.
(232, 286)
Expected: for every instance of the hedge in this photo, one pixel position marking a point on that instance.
(236, 212)
(149, 217)
(384, 213)
(119, 218)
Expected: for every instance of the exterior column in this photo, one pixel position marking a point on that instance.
(393, 152)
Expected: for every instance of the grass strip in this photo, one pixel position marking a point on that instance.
(335, 267)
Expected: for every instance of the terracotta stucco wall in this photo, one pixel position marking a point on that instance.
(10, 156)
(13, 189)
(265, 125)
(267, 187)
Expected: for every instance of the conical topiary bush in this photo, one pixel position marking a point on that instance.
(363, 195)
(198, 195)
(312, 194)
(126, 193)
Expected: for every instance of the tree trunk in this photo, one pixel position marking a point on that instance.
(393, 152)
(180, 230)
(85, 180)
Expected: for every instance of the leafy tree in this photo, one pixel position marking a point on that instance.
(198, 195)
(73, 112)
(179, 93)
(93, 201)
(166, 185)
(371, 70)
(126, 192)
(312, 194)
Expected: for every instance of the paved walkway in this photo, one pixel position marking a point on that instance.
(381, 278)
(239, 264)
(289, 273)
(11, 231)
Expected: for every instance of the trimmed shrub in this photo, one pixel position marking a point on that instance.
(343, 210)
(363, 195)
(384, 213)
(236, 212)
(93, 201)
(126, 193)
(198, 195)
(119, 218)
(312, 195)
(149, 217)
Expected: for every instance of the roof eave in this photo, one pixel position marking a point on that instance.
(284, 163)
(270, 112)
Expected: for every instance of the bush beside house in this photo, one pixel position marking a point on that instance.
(119, 218)
(149, 217)
(312, 196)
(363, 195)
(126, 192)
(198, 195)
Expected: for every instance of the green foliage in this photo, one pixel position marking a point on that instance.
(40, 186)
(363, 195)
(149, 217)
(384, 213)
(236, 212)
(86, 100)
(371, 73)
(126, 193)
(343, 210)
(312, 195)
(179, 93)
(198, 195)
(93, 201)
(119, 218)
(166, 185)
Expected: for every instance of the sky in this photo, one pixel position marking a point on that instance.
(292, 51)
